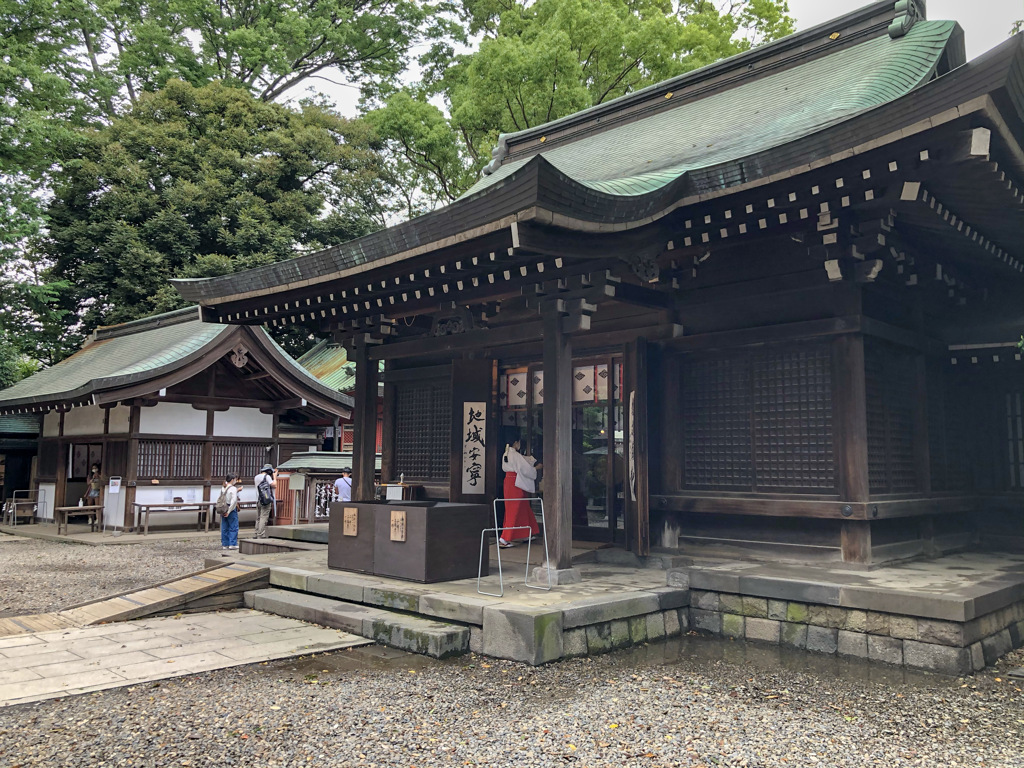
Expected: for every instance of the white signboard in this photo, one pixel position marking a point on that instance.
(474, 447)
(115, 485)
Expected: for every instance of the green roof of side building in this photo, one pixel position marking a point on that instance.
(139, 351)
(647, 153)
(329, 362)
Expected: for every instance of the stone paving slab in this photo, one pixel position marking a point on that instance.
(49, 665)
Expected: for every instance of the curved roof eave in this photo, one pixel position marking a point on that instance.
(555, 192)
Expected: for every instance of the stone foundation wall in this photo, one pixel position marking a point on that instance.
(622, 633)
(947, 647)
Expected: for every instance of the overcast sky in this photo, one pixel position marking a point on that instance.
(986, 23)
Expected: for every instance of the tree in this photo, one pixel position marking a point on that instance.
(539, 61)
(199, 182)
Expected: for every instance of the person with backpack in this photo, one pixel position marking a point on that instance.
(227, 507)
(265, 483)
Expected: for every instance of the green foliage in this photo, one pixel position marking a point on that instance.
(539, 61)
(196, 182)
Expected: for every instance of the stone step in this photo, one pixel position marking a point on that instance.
(315, 533)
(272, 546)
(408, 633)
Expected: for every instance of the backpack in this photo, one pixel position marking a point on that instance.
(266, 493)
(221, 506)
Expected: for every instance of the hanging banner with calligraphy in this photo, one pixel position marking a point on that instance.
(474, 447)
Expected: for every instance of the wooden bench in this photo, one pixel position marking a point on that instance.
(141, 513)
(61, 515)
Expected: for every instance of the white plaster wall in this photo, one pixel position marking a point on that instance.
(243, 422)
(172, 419)
(120, 419)
(47, 491)
(87, 420)
(51, 424)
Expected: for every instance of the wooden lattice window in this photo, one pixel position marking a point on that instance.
(423, 421)
(793, 445)
(244, 458)
(759, 421)
(170, 459)
(890, 385)
(716, 414)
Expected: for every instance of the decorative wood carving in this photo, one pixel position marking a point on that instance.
(239, 356)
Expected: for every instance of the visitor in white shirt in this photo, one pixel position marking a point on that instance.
(343, 485)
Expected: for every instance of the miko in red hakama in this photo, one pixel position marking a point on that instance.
(517, 513)
(520, 479)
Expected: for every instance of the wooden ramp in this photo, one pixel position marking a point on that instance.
(218, 588)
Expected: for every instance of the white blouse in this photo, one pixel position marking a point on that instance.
(526, 473)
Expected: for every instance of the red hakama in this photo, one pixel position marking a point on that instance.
(517, 513)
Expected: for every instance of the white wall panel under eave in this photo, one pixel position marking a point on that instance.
(47, 491)
(243, 422)
(87, 420)
(172, 419)
(51, 424)
(120, 419)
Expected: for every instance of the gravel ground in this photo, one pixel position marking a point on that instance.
(692, 702)
(671, 704)
(40, 576)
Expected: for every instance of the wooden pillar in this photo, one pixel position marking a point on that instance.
(387, 438)
(557, 441)
(63, 454)
(851, 441)
(207, 457)
(364, 424)
(132, 475)
(336, 442)
(637, 485)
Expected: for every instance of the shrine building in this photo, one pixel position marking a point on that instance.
(770, 306)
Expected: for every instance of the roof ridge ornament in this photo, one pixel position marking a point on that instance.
(908, 12)
(497, 155)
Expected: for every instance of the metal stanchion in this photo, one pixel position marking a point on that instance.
(496, 530)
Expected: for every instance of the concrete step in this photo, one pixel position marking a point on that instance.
(273, 546)
(408, 633)
(315, 533)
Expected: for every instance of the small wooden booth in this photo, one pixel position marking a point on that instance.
(769, 306)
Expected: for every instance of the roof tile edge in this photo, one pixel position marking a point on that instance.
(880, 16)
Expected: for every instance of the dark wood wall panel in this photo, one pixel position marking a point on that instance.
(716, 417)
(423, 425)
(758, 421)
(949, 437)
(793, 419)
(49, 458)
(890, 384)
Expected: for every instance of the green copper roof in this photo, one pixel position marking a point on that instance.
(329, 363)
(122, 352)
(644, 155)
(139, 351)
